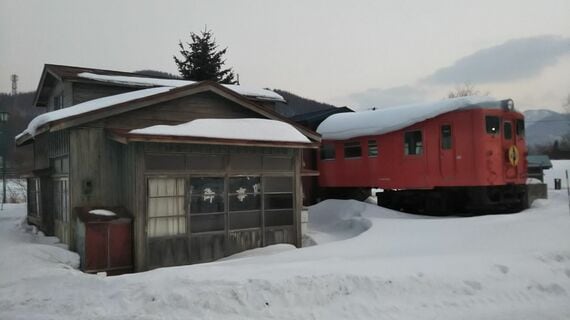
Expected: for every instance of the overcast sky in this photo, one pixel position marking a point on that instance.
(357, 53)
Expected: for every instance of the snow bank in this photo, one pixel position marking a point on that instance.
(88, 106)
(373, 122)
(390, 265)
(262, 94)
(236, 129)
(558, 171)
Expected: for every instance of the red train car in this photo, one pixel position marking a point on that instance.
(459, 155)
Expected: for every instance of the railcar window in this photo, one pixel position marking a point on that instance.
(372, 148)
(492, 124)
(413, 144)
(446, 137)
(520, 128)
(508, 130)
(327, 151)
(352, 149)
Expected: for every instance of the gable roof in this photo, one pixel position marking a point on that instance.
(240, 131)
(101, 108)
(53, 73)
(349, 125)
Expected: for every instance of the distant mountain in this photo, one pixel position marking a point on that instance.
(543, 126)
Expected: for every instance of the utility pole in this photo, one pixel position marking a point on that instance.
(4, 150)
(14, 79)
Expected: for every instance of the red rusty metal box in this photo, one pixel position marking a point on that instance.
(105, 243)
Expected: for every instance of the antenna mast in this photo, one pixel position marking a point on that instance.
(14, 78)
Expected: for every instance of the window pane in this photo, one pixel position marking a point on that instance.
(244, 202)
(413, 143)
(278, 201)
(206, 186)
(165, 187)
(158, 227)
(207, 223)
(164, 207)
(279, 218)
(206, 203)
(249, 184)
(244, 220)
(275, 163)
(245, 162)
(278, 184)
(520, 128)
(327, 151)
(372, 148)
(206, 162)
(164, 161)
(352, 149)
(446, 137)
(492, 124)
(508, 130)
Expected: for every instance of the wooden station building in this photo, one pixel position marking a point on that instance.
(187, 197)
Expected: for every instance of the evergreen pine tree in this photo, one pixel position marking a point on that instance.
(202, 60)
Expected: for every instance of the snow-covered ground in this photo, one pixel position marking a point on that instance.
(558, 171)
(370, 263)
(15, 190)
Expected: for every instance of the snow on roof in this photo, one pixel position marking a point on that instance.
(262, 94)
(102, 212)
(88, 106)
(235, 129)
(373, 122)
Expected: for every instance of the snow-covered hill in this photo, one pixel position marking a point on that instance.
(370, 263)
(544, 126)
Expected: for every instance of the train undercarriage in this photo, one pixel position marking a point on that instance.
(464, 201)
(457, 200)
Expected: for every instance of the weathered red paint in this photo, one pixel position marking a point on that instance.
(475, 159)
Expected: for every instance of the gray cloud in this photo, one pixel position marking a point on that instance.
(381, 98)
(512, 60)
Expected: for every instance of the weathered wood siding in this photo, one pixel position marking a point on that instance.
(96, 168)
(88, 91)
(203, 105)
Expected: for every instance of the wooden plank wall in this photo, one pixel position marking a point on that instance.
(203, 105)
(96, 163)
(88, 91)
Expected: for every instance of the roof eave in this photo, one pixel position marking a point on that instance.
(125, 138)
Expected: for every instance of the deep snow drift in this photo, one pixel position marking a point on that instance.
(370, 263)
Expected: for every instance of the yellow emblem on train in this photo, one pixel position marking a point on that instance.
(513, 156)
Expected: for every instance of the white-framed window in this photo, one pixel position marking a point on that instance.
(166, 212)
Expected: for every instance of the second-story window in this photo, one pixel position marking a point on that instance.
(58, 102)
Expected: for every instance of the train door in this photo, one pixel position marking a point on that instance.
(510, 150)
(446, 153)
